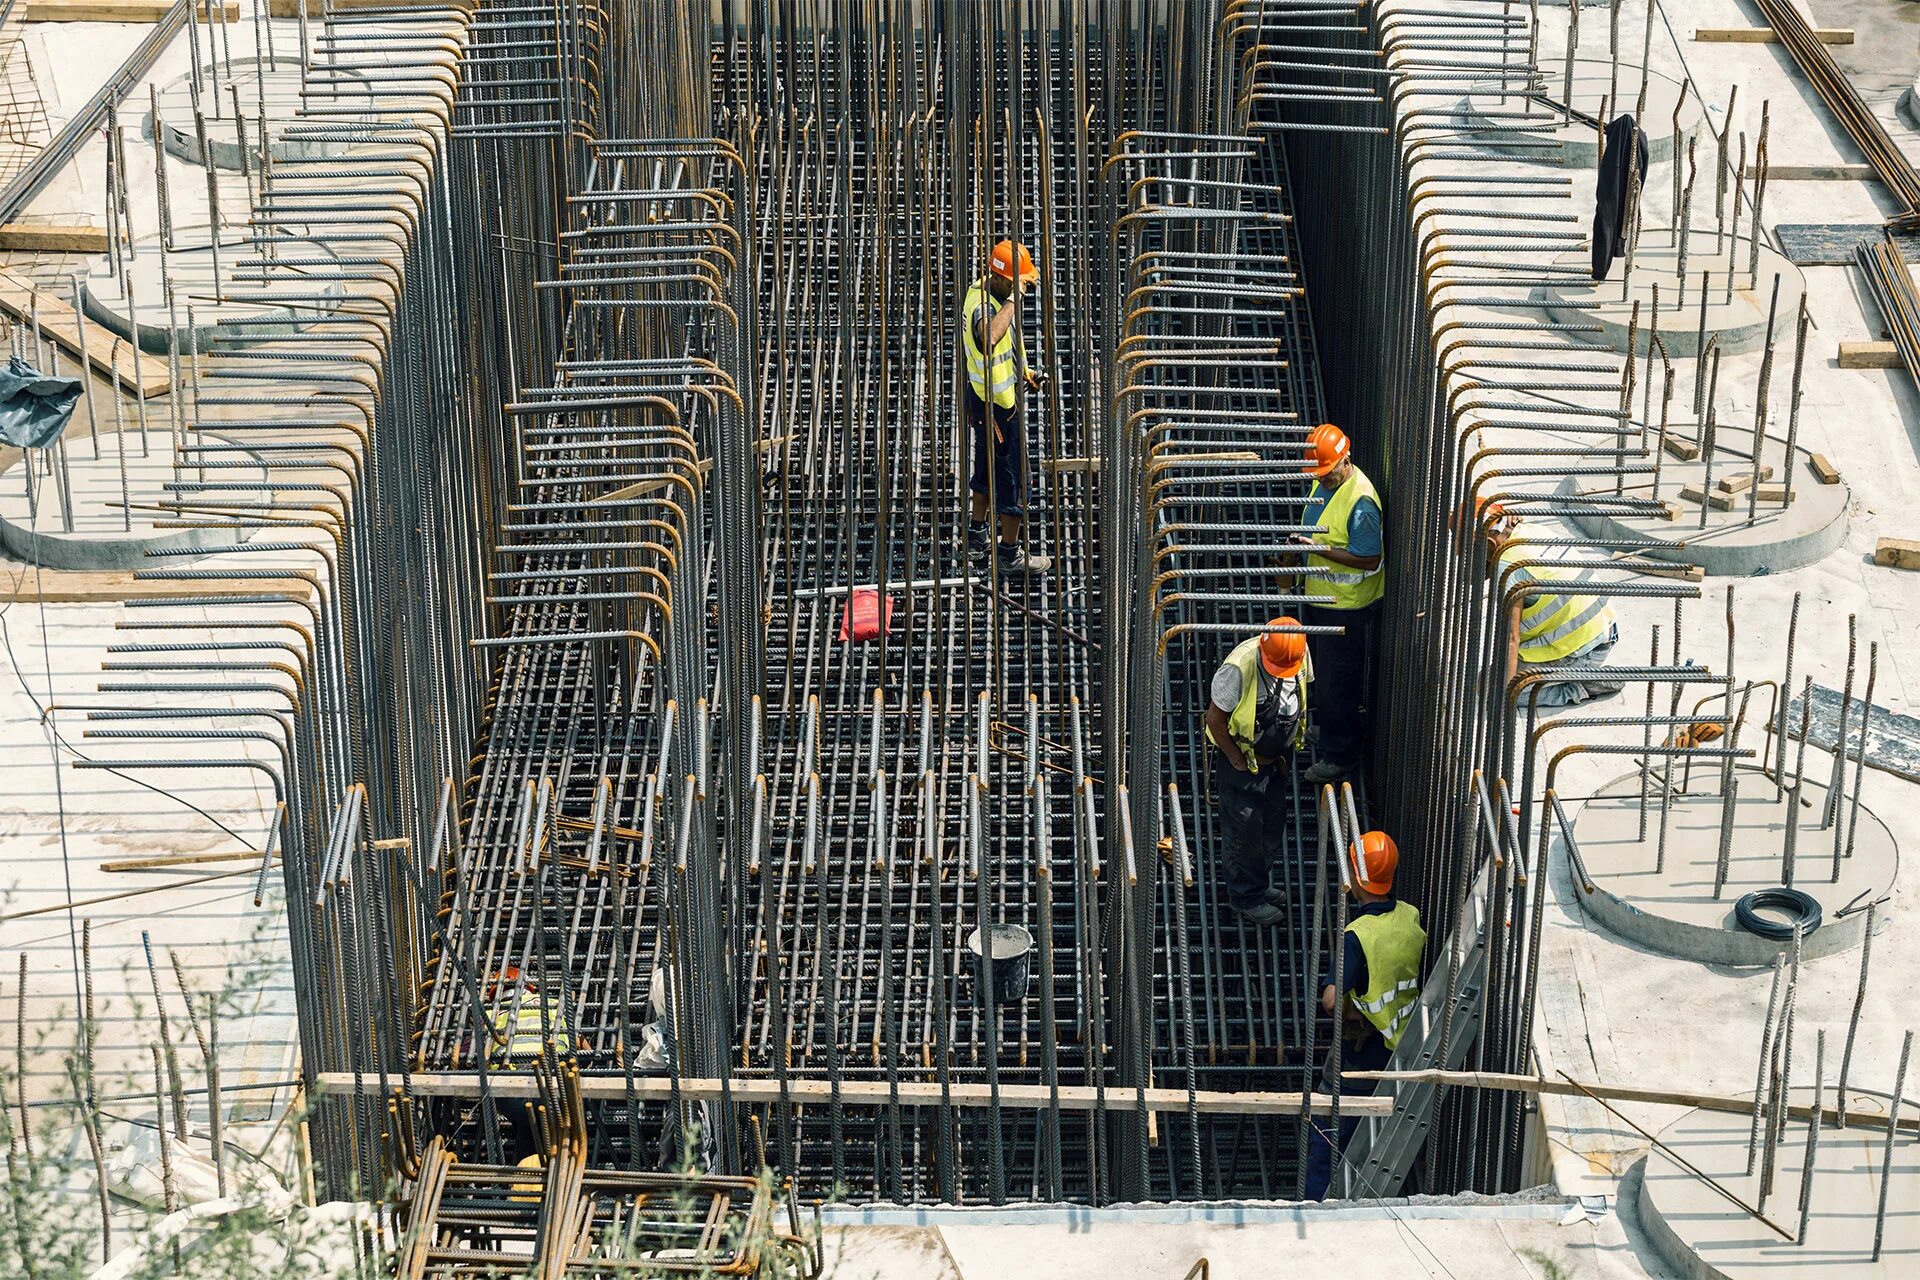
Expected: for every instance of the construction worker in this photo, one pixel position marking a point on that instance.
(1256, 716)
(990, 323)
(522, 1027)
(1546, 631)
(1347, 569)
(1380, 969)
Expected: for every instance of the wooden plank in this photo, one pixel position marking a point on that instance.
(1741, 481)
(1897, 553)
(1869, 355)
(1814, 173)
(68, 238)
(1823, 471)
(868, 1093)
(120, 10)
(31, 585)
(1764, 35)
(1680, 447)
(1616, 1093)
(1679, 572)
(144, 375)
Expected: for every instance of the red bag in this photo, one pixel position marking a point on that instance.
(862, 620)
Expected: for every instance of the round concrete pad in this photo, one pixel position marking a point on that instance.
(1704, 1237)
(1578, 143)
(217, 319)
(1736, 318)
(101, 538)
(1673, 910)
(1726, 545)
(269, 87)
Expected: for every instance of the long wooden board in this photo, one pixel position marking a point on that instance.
(868, 1093)
(32, 237)
(120, 10)
(1764, 35)
(144, 375)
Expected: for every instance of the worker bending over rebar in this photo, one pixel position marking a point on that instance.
(1347, 567)
(1256, 719)
(1380, 970)
(1547, 631)
(990, 322)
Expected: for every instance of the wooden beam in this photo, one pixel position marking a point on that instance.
(1897, 553)
(867, 1093)
(120, 10)
(1823, 471)
(1814, 172)
(69, 238)
(144, 375)
(1869, 355)
(1764, 35)
(1615, 1093)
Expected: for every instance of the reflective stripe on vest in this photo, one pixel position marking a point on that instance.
(525, 1041)
(1553, 627)
(1392, 943)
(1243, 722)
(1006, 373)
(1349, 588)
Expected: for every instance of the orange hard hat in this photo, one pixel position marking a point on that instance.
(1012, 260)
(1327, 448)
(1487, 511)
(1374, 860)
(1283, 653)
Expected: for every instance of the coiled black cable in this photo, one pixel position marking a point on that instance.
(1797, 904)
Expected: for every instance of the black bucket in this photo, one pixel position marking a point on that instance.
(1012, 963)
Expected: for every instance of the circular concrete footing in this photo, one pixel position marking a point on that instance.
(1704, 1237)
(1549, 138)
(217, 319)
(114, 522)
(1670, 906)
(1727, 544)
(1736, 316)
(269, 86)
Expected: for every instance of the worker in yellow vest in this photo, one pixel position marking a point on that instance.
(1548, 631)
(1256, 718)
(995, 354)
(1380, 969)
(1345, 567)
(521, 1027)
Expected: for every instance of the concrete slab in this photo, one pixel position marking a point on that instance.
(1738, 296)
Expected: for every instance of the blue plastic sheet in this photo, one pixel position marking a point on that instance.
(34, 408)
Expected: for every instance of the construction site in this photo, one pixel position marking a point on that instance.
(955, 639)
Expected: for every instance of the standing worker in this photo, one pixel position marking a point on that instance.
(524, 1028)
(1381, 973)
(1347, 569)
(1547, 631)
(990, 322)
(1257, 715)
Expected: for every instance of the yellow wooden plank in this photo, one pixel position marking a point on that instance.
(1764, 35)
(1897, 553)
(119, 10)
(114, 357)
(53, 237)
(1869, 355)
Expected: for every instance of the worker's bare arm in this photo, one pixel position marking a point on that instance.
(1339, 555)
(1216, 720)
(1328, 997)
(1513, 639)
(1001, 321)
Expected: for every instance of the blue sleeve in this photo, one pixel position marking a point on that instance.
(1356, 967)
(1363, 528)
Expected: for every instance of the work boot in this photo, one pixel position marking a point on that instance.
(979, 539)
(1017, 561)
(1275, 897)
(1324, 772)
(1260, 913)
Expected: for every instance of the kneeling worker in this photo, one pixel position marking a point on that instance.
(1256, 716)
(1381, 972)
(1546, 630)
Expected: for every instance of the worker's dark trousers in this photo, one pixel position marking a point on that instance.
(1340, 695)
(1370, 1054)
(1253, 811)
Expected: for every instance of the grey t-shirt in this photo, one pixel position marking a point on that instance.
(1279, 702)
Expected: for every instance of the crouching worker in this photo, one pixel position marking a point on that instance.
(1380, 969)
(1554, 629)
(1256, 718)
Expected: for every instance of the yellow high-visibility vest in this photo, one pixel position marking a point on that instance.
(1392, 942)
(1349, 588)
(1241, 722)
(1553, 627)
(1006, 368)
